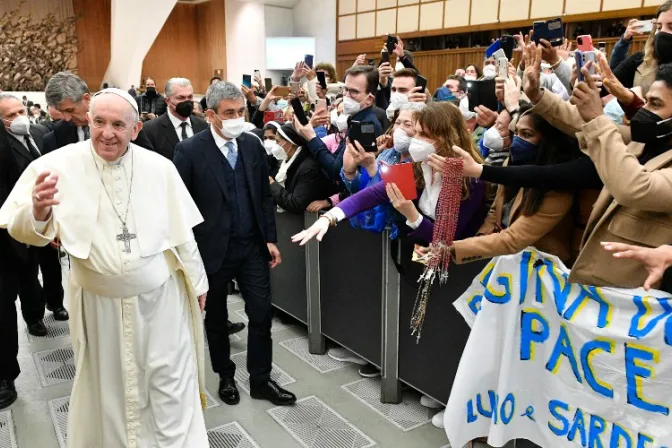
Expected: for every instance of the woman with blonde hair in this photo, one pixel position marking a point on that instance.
(639, 70)
(438, 127)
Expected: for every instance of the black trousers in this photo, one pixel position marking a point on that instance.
(17, 279)
(52, 277)
(248, 264)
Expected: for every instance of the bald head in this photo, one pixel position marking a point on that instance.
(114, 124)
(10, 108)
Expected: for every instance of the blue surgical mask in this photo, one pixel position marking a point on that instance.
(282, 104)
(614, 111)
(523, 152)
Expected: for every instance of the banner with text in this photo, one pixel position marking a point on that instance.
(561, 364)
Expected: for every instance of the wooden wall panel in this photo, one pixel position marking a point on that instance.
(39, 9)
(211, 42)
(93, 34)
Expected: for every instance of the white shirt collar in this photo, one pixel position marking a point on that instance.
(430, 195)
(176, 121)
(220, 141)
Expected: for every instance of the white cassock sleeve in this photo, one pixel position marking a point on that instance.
(193, 264)
(24, 228)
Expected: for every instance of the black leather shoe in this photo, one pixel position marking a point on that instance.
(235, 327)
(228, 391)
(275, 394)
(60, 313)
(7, 393)
(37, 328)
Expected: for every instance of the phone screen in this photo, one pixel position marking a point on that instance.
(422, 83)
(579, 64)
(384, 57)
(308, 60)
(322, 79)
(268, 83)
(247, 81)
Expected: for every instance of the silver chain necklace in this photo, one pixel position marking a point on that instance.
(125, 235)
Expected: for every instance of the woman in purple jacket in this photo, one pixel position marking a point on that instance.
(438, 127)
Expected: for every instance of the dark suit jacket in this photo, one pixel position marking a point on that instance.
(201, 165)
(65, 133)
(163, 135)
(304, 184)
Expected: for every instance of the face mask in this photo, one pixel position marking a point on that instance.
(523, 152)
(282, 104)
(647, 127)
(399, 66)
(489, 71)
(420, 150)
(492, 140)
(333, 117)
(662, 47)
(20, 125)
(232, 128)
(396, 101)
(151, 91)
(269, 144)
(614, 111)
(342, 122)
(350, 106)
(401, 141)
(184, 109)
(470, 77)
(278, 152)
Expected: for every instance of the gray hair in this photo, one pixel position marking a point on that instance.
(132, 114)
(7, 96)
(220, 91)
(182, 82)
(65, 86)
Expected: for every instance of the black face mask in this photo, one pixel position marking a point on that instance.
(151, 91)
(185, 108)
(647, 127)
(662, 47)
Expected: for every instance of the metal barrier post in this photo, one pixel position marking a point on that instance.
(390, 388)
(316, 342)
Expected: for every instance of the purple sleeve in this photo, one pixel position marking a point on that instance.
(467, 224)
(365, 199)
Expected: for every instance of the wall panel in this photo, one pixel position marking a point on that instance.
(347, 6)
(386, 4)
(484, 11)
(211, 42)
(366, 5)
(347, 27)
(546, 8)
(431, 16)
(581, 6)
(515, 9)
(93, 34)
(39, 9)
(366, 25)
(386, 22)
(610, 5)
(456, 13)
(407, 19)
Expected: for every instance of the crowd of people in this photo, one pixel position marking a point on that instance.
(575, 161)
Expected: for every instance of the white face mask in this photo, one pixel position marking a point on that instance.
(396, 101)
(20, 125)
(350, 106)
(401, 140)
(470, 77)
(342, 122)
(278, 152)
(334, 117)
(233, 127)
(420, 150)
(269, 144)
(489, 71)
(492, 140)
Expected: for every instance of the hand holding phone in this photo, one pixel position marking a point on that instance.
(299, 113)
(421, 82)
(391, 43)
(364, 133)
(322, 80)
(247, 81)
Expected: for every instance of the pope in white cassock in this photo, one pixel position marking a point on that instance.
(137, 284)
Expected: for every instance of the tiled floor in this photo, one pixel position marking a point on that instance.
(336, 408)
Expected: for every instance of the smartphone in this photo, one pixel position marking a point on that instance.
(273, 116)
(268, 83)
(602, 46)
(645, 26)
(372, 62)
(482, 93)
(421, 82)
(490, 51)
(391, 43)
(320, 106)
(295, 87)
(590, 56)
(308, 60)
(585, 43)
(283, 81)
(322, 80)
(257, 74)
(503, 68)
(364, 133)
(402, 176)
(508, 44)
(299, 113)
(282, 91)
(550, 30)
(384, 57)
(578, 56)
(499, 54)
(247, 81)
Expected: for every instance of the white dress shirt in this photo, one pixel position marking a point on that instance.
(221, 142)
(177, 124)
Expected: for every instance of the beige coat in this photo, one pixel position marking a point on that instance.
(635, 206)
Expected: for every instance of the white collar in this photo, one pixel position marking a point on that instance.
(221, 141)
(281, 177)
(430, 195)
(176, 121)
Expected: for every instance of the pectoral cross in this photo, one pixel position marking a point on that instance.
(126, 237)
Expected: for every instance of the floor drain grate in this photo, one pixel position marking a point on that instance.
(243, 378)
(407, 415)
(321, 363)
(55, 366)
(59, 409)
(231, 435)
(55, 328)
(275, 327)
(7, 435)
(315, 425)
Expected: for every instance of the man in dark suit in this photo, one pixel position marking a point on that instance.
(226, 173)
(69, 94)
(179, 123)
